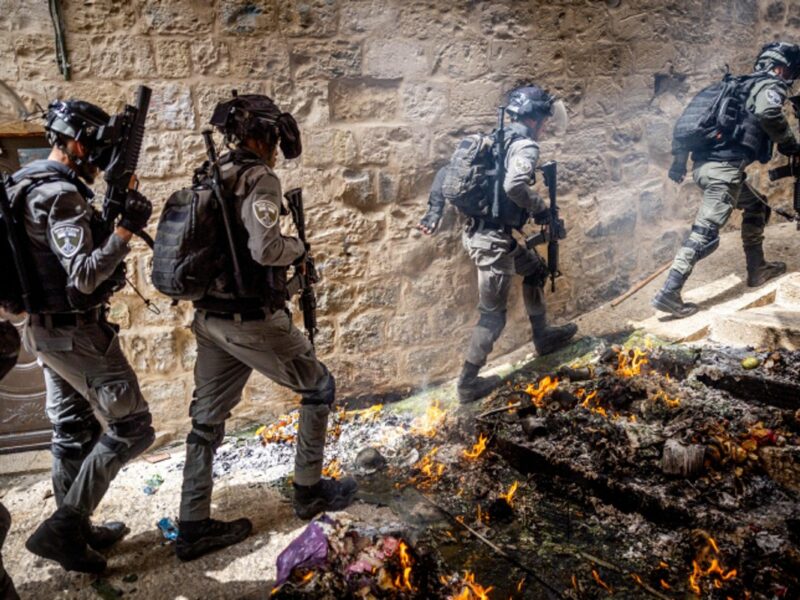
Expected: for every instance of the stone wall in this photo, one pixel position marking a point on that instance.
(383, 90)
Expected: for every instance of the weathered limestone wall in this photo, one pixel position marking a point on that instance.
(382, 91)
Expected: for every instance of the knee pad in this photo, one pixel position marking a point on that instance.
(707, 245)
(326, 394)
(206, 435)
(138, 433)
(493, 321)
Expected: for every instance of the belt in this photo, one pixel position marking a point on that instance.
(481, 225)
(249, 315)
(51, 320)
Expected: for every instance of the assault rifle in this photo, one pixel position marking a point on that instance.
(554, 230)
(126, 131)
(215, 180)
(307, 273)
(12, 233)
(790, 169)
(498, 153)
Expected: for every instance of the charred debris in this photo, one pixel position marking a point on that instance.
(632, 470)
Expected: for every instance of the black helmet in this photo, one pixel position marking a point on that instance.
(779, 54)
(529, 101)
(257, 116)
(81, 121)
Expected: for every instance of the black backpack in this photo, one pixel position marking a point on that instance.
(466, 184)
(714, 115)
(188, 254)
(11, 290)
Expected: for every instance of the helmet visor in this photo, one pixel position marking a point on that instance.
(558, 121)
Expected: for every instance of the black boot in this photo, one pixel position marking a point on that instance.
(100, 537)
(548, 339)
(668, 299)
(759, 271)
(62, 538)
(196, 538)
(325, 495)
(470, 387)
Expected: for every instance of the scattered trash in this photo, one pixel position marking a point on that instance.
(751, 362)
(156, 458)
(152, 484)
(105, 590)
(309, 549)
(168, 528)
(370, 460)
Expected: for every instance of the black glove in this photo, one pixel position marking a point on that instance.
(136, 213)
(430, 222)
(542, 217)
(790, 148)
(677, 170)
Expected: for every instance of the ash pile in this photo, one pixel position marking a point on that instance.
(680, 468)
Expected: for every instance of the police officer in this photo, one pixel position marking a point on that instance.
(720, 173)
(9, 351)
(495, 251)
(241, 330)
(78, 264)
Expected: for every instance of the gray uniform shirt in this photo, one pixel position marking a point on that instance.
(766, 101)
(58, 216)
(521, 159)
(258, 194)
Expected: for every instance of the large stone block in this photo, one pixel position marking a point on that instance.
(475, 100)
(362, 99)
(99, 17)
(243, 17)
(370, 16)
(325, 58)
(161, 155)
(432, 20)
(122, 57)
(463, 59)
(521, 58)
(172, 57)
(380, 145)
(313, 18)
(210, 57)
(29, 16)
(395, 58)
(329, 147)
(192, 17)
(35, 57)
(425, 102)
(357, 189)
(171, 107)
(257, 58)
(8, 66)
(362, 333)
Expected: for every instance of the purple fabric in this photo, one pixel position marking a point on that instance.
(309, 549)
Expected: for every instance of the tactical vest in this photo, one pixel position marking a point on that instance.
(52, 292)
(747, 140)
(511, 214)
(265, 287)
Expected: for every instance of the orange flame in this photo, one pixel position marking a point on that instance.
(333, 469)
(668, 402)
(509, 495)
(664, 584)
(403, 582)
(714, 568)
(428, 424)
(601, 583)
(473, 590)
(630, 363)
(540, 390)
(430, 470)
(477, 449)
(366, 414)
(592, 403)
(282, 431)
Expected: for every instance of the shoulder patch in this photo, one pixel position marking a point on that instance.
(266, 213)
(774, 98)
(68, 239)
(522, 165)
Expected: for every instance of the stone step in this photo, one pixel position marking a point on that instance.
(788, 293)
(773, 326)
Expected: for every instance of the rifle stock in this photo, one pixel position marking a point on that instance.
(556, 228)
(307, 275)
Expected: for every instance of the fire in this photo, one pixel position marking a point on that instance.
(477, 449)
(430, 470)
(540, 390)
(307, 577)
(430, 423)
(366, 414)
(715, 569)
(592, 403)
(602, 583)
(282, 431)
(664, 584)
(472, 589)
(668, 402)
(403, 582)
(629, 364)
(509, 495)
(333, 469)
